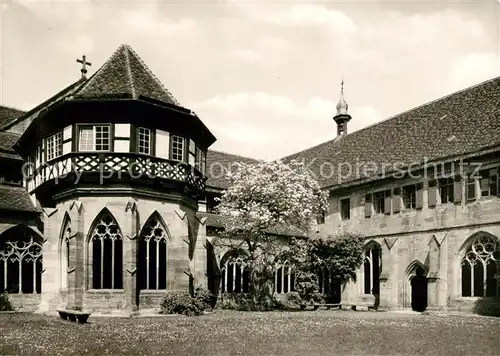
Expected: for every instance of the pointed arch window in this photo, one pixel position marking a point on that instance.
(153, 255)
(235, 276)
(480, 268)
(284, 279)
(106, 253)
(64, 256)
(20, 261)
(371, 269)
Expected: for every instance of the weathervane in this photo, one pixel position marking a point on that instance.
(84, 63)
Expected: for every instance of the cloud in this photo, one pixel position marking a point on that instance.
(474, 68)
(267, 126)
(267, 50)
(306, 15)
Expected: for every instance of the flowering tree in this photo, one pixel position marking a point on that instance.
(264, 201)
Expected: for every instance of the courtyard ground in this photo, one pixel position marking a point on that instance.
(243, 333)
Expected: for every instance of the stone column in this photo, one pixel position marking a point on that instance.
(50, 262)
(76, 281)
(442, 288)
(178, 269)
(434, 275)
(130, 238)
(199, 261)
(388, 276)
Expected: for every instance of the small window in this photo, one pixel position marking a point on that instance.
(54, 146)
(410, 196)
(446, 190)
(379, 202)
(94, 138)
(144, 140)
(345, 209)
(200, 160)
(177, 148)
(489, 182)
(321, 217)
(471, 188)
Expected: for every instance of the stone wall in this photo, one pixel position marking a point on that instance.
(434, 237)
(185, 251)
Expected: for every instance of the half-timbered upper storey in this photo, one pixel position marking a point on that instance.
(120, 121)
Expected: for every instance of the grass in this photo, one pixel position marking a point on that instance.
(244, 333)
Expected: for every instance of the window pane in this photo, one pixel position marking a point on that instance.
(177, 148)
(86, 141)
(102, 135)
(144, 140)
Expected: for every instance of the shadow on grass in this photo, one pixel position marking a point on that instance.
(487, 307)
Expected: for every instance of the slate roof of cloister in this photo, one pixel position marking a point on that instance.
(14, 198)
(457, 125)
(8, 114)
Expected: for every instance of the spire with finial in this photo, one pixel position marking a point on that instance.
(342, 117)
(342, 104)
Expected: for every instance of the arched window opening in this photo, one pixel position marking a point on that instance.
(284, 279)
(480, 266)
(235, 276)
(153, 255)
(20, 261)
(64, 251)
(371, 270)
(329, 285)
(106, 249)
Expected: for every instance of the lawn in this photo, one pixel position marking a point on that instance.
(244, 333)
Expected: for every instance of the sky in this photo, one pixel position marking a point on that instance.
(264, 77)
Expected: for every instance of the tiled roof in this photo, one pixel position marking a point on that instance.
(15, 198)
(217, 221)
(125, 74)
(220, 162)
(7, 141)
(459, 124)
(8, 114)
(66, 92)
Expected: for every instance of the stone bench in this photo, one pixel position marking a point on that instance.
(74, 315)
(316, 306)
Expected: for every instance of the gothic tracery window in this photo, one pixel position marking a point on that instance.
(153, 255)
(106, 249)
(20, 261)
(64, 253)
(480, 266)
(371, 269)
(235, 276)
(284, 279)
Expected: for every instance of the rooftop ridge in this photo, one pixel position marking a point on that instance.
(12, 108)
(236, 155)
(130, 76)
(400, 114)
(150, 72)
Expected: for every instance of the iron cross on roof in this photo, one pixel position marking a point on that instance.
(84, 63)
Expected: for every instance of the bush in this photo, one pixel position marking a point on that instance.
(293, 298)
(5, 303)
(246, 303)
(180, 302)
(307, 288)
(205, 299)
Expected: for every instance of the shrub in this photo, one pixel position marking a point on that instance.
(205, 299)
(180, 302)
(293, 298)
(307, 288)
(5, 303)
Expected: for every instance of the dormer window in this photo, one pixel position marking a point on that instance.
(177, 148)
(144, 140)
(94, 138)
(54, 146)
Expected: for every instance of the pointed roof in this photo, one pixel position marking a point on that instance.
(342, 106)
(125, 75)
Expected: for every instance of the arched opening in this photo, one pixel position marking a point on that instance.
(329, 286)
(479, 266)
(284, 279)
(152, 254)
(64, 253)
(213, 272)
(418, 285)
(415, 287)
(372, 266)
(105, 251)
(20, 261)
(235, 274)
